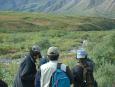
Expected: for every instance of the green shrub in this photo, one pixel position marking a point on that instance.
(104, 51)
(9, 72)
(1, 72)
(44, 43)
(105, 75)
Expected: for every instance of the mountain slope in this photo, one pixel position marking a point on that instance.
(102, 8)
(26, 22)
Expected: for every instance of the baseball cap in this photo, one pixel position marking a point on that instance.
(53, 51)
(81, 54)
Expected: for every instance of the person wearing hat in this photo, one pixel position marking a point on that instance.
(27, 70)
(83, 71)
(46, 71)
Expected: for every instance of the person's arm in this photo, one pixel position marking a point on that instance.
(77, 77)
(37, 79)
(69, 74)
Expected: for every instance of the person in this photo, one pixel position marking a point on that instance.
(42, 61)
(83, 71)
(46, 70)
(27, 70)
(3, 84)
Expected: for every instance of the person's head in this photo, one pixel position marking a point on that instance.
(53, 53)
(35, 52)
(3, 84)
(81, 55)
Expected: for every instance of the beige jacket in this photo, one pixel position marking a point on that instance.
(47, 71)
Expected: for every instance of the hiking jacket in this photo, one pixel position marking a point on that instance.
(78, 73)
(26, 74)
(46, 71)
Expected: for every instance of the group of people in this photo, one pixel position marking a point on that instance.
(51, 73)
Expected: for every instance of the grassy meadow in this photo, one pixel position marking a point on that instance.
(19, 31)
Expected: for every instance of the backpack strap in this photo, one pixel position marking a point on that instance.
(84, 67)
(59, 65)
(87, 76)
(62, 66)
(84, 72)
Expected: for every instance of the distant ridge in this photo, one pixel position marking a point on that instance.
(100, 8)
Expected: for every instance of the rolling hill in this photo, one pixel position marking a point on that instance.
(23, 22)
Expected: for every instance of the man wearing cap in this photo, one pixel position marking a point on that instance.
(83, 71)
(50, 67)
(27, 70)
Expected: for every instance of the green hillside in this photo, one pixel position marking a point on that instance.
(19, 31)
(26, 22)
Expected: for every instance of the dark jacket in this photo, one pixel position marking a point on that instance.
(26, 74)
(77, 75)
(78, 71)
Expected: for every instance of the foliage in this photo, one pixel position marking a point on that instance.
(105, 75)
(103, 55)
(8, 72)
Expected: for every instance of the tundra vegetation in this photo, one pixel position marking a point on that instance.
(19, 31)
